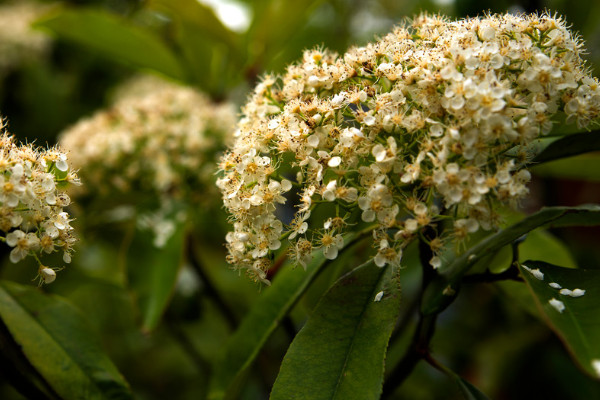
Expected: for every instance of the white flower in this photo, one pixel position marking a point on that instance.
(387, 255)
(331, 245)
(23, 244)
(413, 128)
(47, 275)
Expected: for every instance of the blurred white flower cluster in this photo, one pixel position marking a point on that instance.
(32, 216)
(156, 145)
(19, 42)
(399, 135)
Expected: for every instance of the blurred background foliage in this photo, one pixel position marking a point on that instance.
(223, 47)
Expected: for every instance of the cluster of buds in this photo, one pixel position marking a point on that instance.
(155, 147)
(19, 42)
(408, 132)
(32, 216)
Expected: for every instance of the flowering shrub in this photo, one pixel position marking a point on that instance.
(424, 126)
(32, 217)
(156, 145)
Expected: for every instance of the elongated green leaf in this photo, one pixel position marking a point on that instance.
(441, 291)
(340, 352)
(199, 15)
(115, 37)
(274, 23)
(212, 52)
(573, 314)
(57, 341)
(153, 273)
(264, 317)
(469, 391)
(538, 245)
(582, 167)
(568, 146)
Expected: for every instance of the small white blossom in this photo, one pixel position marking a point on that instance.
(31, 213)
(426, 114)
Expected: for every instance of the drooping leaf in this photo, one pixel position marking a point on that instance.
(58, 343)
(440, 293)
(572, 314)
(153, 273)
(115, 37)
(264, 317)
(340, 352)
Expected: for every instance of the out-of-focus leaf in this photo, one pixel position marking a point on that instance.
(264, 317)
(568, 146)
(340, 352)
(196, 13)
(469, 391)
(115, 37)
(57, 341)
(153, 273)
(275, 22)
(538, 245)
(573, 315)
(582, 167)
(440, 293)
(211, 50)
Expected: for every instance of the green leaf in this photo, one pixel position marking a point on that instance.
(578, 324)
(469, 391)
(582, 167)
(340, 352)
(440, 293)
(271, 307)
(57, 341)
(195, 13)
(538, 245)
(568, 146)
(264, 317)
(115, 37)
(274, 23)
(212, 52)
(153, 273)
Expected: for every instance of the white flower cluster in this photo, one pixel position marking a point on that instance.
(400, 134)
(32, 217)
(18, 40)
(156, 144)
